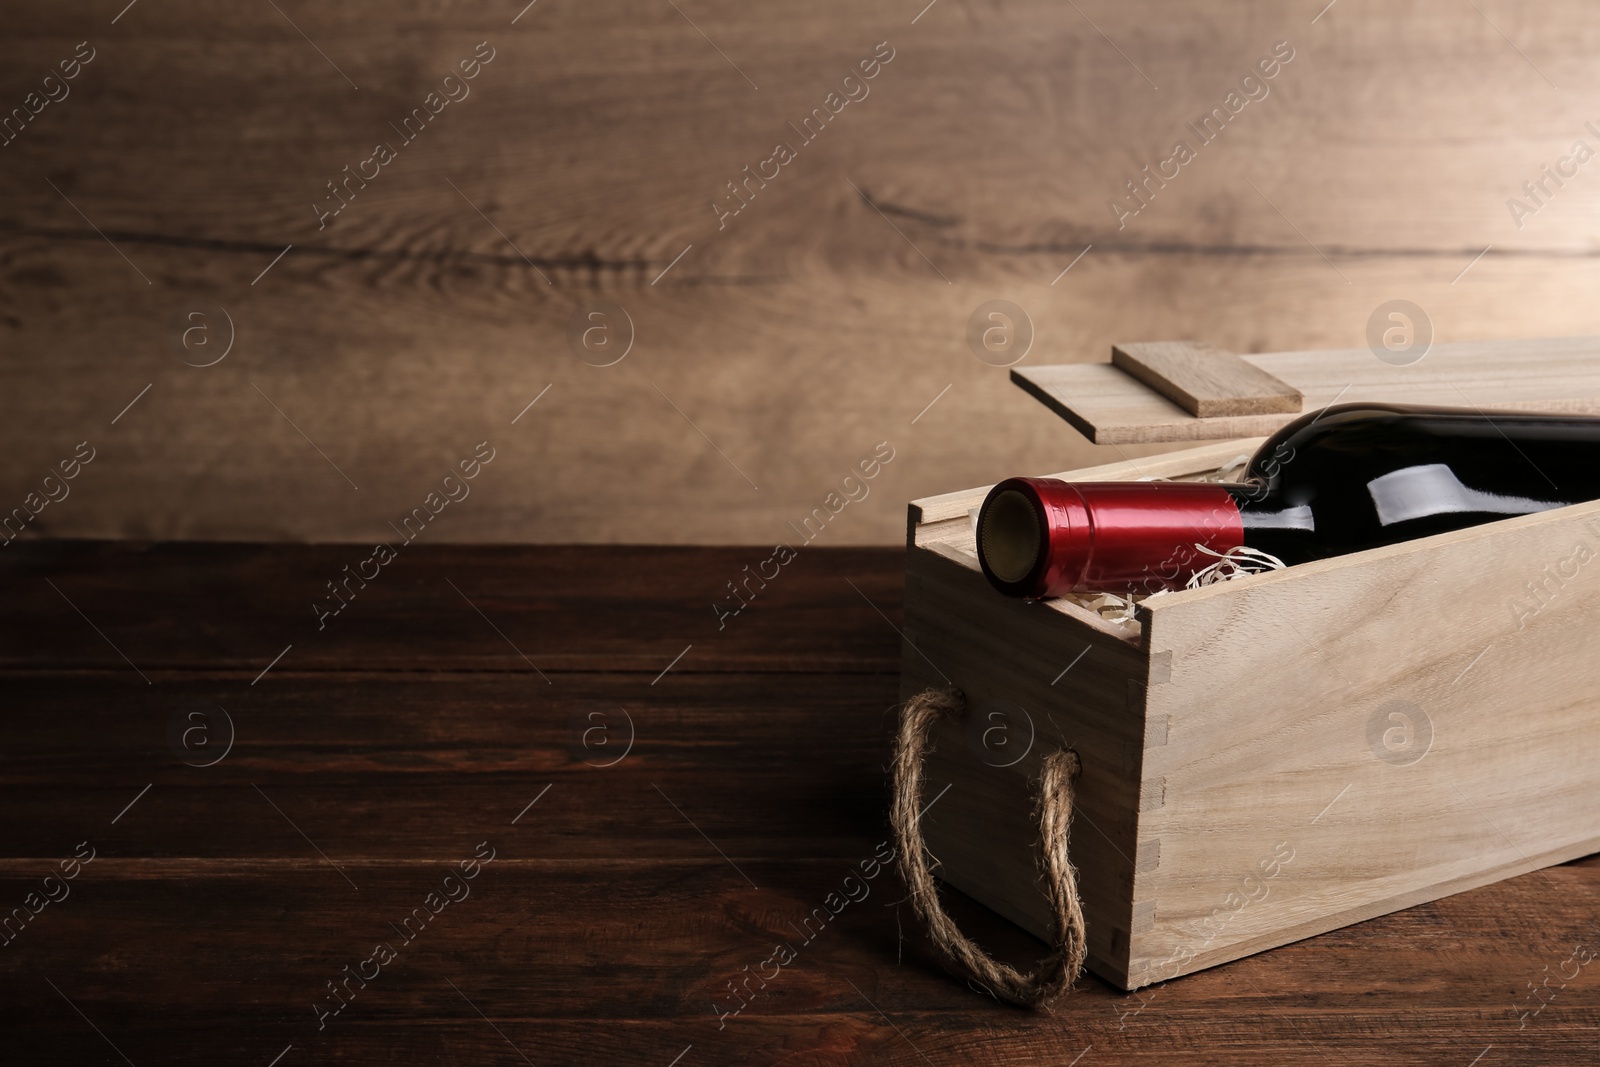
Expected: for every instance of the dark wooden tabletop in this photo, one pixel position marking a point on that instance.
(572, 810)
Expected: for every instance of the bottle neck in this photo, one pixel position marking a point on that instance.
(1045, 537)
(1260, 508)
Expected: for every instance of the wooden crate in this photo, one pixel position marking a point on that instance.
(1268, 758)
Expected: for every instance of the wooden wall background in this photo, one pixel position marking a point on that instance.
(797, 338)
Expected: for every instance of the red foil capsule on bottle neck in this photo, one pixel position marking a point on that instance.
(1046, 537)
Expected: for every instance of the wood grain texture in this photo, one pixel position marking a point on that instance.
(1432, 692)
(235, 607)
(795, 337)
(1006, 661)
(1009, 658)
(1204, 380)
(607, 927)
(1422, 745)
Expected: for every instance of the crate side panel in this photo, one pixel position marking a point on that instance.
(1036, 681)
(1365, 734)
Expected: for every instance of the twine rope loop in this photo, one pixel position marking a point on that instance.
(1055, 973)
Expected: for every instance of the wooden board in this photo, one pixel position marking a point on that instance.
(797, 336)
(235, 608)
(1002, 662)
(1007, 654)
(608, 926)
(1011, 662)
(1204, 380)
(1109, 406)
(1421, 743)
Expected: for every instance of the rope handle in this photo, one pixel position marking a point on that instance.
(1057, 972)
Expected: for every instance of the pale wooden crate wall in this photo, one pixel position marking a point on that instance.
(798, 337)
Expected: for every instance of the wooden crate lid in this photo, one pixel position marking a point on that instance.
(1192, 391)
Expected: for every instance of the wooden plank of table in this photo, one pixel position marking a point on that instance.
(548, 608)
(385, 763)
(601, 963)
(622, 902)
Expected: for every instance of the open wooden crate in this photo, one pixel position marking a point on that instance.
(1283, 754)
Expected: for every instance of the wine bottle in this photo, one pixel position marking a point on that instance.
(1342, 479)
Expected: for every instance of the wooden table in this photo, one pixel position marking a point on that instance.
(477, 701)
